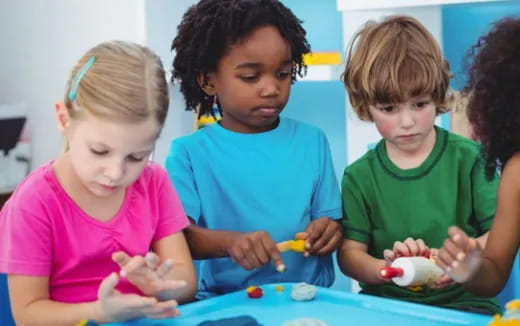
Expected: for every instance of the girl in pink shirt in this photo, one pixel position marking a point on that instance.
(96, 234)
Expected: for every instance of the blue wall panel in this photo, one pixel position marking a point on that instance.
(462, 26)
(322, 22)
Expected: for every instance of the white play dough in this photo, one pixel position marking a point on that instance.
(305, 322)
(303, 292)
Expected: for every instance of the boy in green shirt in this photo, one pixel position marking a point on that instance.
(400, 197)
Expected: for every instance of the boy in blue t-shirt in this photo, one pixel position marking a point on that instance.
(253, 178)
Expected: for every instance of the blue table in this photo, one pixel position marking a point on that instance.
(337, 308)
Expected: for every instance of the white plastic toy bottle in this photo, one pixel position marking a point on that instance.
(412, 271)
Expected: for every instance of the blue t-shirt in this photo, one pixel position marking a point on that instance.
(276, 181)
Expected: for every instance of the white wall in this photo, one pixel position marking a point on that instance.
(162, 18)
(42, 40)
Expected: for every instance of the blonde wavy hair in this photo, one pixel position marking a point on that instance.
(393, 61)
(125, 82)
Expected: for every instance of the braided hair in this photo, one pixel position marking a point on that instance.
(210, 27)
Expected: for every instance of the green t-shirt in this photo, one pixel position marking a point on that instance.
(383, 204)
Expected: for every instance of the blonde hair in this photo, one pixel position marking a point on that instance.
(120, 81)
(393, 61)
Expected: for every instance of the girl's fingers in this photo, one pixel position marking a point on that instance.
(152, 260)
(138, 302)
(472, 245)
(459, 237)
(121, 258)
(172, 285)
(445, 259)
(165, 268)
(454, 230)
(107, 286)
(442, 263)
(136, 263)
(170, 313)
(162, 309)
(450, 249)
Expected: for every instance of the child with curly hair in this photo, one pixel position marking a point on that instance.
(494, 112)
(419, 179)
(254, 178)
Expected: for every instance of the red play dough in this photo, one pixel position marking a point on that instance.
(256, 293)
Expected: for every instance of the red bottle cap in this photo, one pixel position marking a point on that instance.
(390, 272)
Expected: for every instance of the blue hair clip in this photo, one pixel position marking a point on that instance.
(79, 76)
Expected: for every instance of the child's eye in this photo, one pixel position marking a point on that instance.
(98, 153)
(421, 104)
(284, 74)
(388, 108)
(249, 78)
(132, 158)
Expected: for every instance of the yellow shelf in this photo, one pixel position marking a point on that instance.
(322, 58)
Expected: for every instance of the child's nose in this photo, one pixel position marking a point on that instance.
(270, 87)
(115, 171)
(407, 119)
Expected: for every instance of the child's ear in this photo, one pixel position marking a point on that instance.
(206, 83)
(62, 116)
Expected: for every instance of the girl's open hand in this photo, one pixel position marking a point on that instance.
(460, 256)
(148, 274)
(114, 306)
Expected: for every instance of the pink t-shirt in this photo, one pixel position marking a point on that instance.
(44, 233)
